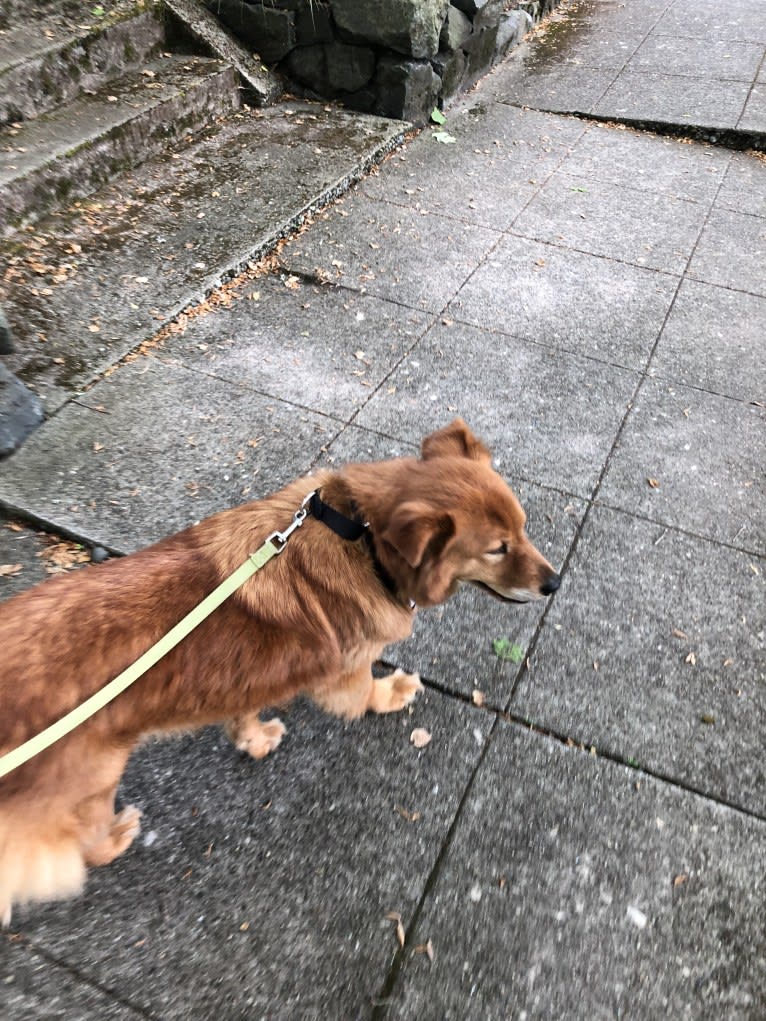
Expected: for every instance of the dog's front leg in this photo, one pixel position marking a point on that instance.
(257, 737)
(353, 694)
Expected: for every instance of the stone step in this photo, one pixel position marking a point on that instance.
(74, 149)
(88, 284)
(48, 61)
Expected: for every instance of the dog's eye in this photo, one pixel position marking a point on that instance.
(501, 550)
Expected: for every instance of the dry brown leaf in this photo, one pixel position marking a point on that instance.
(680, 879)
(420, 737)
(426, 948)
(394, 916)
(9, 570)
(691, 658)
(477, 697)
(63, 556)
(409, 816)
(654, 483)
(678, 633)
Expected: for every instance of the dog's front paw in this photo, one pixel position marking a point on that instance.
(123, 830)
(392, 693)
(250, 734)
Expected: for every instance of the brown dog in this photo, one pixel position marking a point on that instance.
(312, 621)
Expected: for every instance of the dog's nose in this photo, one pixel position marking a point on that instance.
(549, 586)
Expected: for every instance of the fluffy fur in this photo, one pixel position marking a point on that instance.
(312, 621)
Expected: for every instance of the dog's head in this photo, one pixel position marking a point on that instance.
(457, 521)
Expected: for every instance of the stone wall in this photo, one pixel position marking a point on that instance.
(398, 58)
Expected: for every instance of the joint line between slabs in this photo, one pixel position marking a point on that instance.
(383, 1000)
(584, 746)
(643, 376)
(70, 969)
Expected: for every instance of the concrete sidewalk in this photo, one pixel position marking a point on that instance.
(589, 841)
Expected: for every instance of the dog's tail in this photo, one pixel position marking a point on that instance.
(35, 865)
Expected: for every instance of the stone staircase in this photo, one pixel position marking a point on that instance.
(144, 158)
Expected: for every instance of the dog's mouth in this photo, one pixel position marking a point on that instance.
(518, 599)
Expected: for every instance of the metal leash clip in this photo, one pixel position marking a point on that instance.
(279, 539)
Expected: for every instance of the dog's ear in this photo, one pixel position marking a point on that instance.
(414, 527)
(454, 440)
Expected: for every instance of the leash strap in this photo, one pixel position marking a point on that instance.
(271, 547)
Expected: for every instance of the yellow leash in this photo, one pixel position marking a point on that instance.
(271, 547)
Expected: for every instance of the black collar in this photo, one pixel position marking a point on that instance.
(347, 528)
(351, 529)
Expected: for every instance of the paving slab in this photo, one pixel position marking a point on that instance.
(707, 106)
(743, 20)
(642, 228)
(569, 300)
(696, 58)
(655, 655)
(570, 89)
(154, 448)
(576, 888)
(313, 346)
(641, 161)
(452, 645)
(521, 398)
(405, 255)
(32, 988)
(744, 187)
(651, 65)
(269, 901)
(732, 252)
(753, 117)
(89, 284)
(713, 338)
(702, 453)
(497, 161)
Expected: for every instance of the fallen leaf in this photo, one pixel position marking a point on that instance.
(691, 658)
(653, 483)
(438, 117)
(394, 916)
(680, 879)
(678, 633)
(425, 948)
(477, 697)
(420, 737)
(9, 570)
(707, 719)
(444, 137)
(409, 816)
